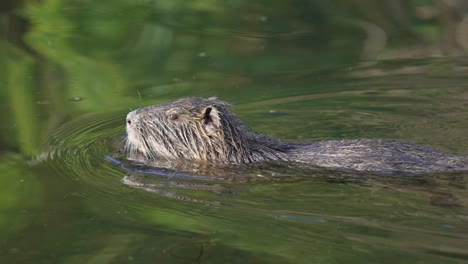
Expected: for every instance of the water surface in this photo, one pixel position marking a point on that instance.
(70, 72)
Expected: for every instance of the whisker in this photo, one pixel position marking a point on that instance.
(139, 95)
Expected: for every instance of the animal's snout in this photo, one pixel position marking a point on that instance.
(131, 118)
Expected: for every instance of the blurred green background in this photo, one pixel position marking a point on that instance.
(295, 69)
(110, 53)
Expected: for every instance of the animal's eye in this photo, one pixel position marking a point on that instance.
(173, 117)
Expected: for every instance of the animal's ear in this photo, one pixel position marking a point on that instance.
(211, 120)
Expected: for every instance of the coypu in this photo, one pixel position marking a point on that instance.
(205, 130)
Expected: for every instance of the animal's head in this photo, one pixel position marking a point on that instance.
(188, 128)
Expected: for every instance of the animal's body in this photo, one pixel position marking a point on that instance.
(206, 130)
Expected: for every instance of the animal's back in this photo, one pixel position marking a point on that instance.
(377, 155)
(205, 130)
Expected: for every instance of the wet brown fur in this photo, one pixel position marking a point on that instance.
(203, 129)
(207, 130)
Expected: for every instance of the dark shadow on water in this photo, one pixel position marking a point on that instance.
(167, 181)
(159, 172)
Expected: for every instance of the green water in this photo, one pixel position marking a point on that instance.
(296, 70)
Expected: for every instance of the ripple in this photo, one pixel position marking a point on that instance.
(79, 152)
(76, 151)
